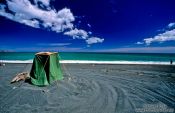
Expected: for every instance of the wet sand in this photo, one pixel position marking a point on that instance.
(92, 88)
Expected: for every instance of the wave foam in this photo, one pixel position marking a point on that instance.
(94, 62)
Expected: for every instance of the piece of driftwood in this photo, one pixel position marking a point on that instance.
(20, 76)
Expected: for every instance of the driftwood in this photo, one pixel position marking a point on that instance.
(20, 76)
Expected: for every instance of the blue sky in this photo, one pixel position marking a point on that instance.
(88, 25)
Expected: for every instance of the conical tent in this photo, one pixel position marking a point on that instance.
(45, 69)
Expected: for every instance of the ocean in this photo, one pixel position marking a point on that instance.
(91, 57)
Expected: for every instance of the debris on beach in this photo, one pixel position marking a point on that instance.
(21, 76)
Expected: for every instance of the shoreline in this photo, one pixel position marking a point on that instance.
(94, 62)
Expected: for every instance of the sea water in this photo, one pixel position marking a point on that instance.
(91, 57)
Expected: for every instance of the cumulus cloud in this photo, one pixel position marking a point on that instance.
(163, 37)
(89, 25)
(32, 23)
(41, 15)
(77, 33)
(171, 25)
(93, 40)
(44, 2)
(167, 35)
(31, 15)
(139, 43)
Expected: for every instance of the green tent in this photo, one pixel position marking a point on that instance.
(45, 69)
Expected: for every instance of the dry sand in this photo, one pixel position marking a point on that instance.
(92, 88)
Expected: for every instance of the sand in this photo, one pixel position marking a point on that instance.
(92, 88)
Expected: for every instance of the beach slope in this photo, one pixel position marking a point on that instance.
(92, 88)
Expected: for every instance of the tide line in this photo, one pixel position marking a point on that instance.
(93, 62)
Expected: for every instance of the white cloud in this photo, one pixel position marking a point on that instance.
(139, 43)
(33, 15)
(90, 32)
(94, 40)
(171, 25)
(167, 35)
(88, 25)
(163, 37)
(17, 18)
(32, 23)
(44, 2)
(75, 33)
(27, 13)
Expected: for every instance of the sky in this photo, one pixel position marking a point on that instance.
(134, 26)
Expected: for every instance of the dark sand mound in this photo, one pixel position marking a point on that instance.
(91, 89)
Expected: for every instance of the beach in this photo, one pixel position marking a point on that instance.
(92, 88)
(87, 56)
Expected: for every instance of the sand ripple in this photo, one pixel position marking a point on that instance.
(94, 89)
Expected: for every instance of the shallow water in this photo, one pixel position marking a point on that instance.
(92, 88)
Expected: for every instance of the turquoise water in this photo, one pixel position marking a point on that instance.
(94, 56)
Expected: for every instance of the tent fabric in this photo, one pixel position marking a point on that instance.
(45, 69)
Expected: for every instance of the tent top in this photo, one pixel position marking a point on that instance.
(45, 53)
